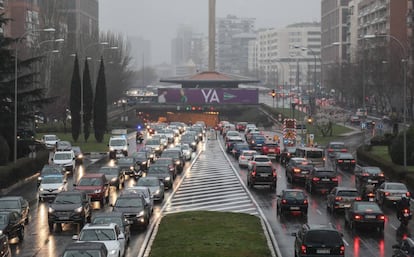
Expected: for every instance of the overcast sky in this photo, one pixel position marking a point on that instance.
(158, 20)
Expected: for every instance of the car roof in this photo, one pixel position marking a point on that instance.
(293, 190)
(53, 176)
(92, 175)
(86, 246)
(346, 189)
(108, 214)
(92, 226)
(11, 197)
(320, 227)
(72, 192)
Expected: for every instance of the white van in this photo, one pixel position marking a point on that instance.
(118, 146)
(314, 154)
(66, 159)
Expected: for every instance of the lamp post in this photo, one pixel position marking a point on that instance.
(16, 84)
(404, 61)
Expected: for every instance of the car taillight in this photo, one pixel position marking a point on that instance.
(342, 250)
(288, 154)
(315, 179)
(381, 174)
(357, 217)
(305, 201)
(353, 161)
(408, 194)
(340, 161)
(330, 150)
(274, 173)
(387, 193)
(334, 179)
(381, 217)
(242, 157)
(358, 198)
(303, 249)
(371, 195)
(406, 211)
(296, 170)
(338, 198)
(344, 150)
(254, 173)
(284, 201)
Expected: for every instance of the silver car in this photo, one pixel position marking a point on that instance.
(145, 192)
(391, 192)
(154, 185)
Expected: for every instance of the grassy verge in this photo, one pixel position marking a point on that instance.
(381, 152)
(91, 146)
(210, 234)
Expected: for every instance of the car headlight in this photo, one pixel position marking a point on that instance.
(1, 232)
(41, 189)
(79, 209)
(177, 162)
(151, 156)
(112, 252)
(51, 210)
(114, 179)
(97, 191)
(39, 178)
(131, 167)
(143, 163)
(60, 188)
(193, 143)
(157, 149)
(111, 149)
(80, 156)
(140, 214)
(125, 148)
(167, 178)
(157, 192)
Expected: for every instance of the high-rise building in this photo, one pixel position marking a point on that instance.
(232, 40)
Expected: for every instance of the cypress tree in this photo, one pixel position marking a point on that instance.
(87, 101)
(75, 101)
(100, 105)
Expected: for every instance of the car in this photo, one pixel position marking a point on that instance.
(334, 147)
(142, 162)
(66, 159)
(113, 175)
(145, 192)
(118, 146)
(177, 156)
(287, 153)
(69, 207)
(245, 157)
(318, 240)
(126, 164)
(345, 162)
(189, 140)
(114, 217)
(391, 192)
(405, 248)
(12, 224)
(298, 169)
(365, 173)
(50, 141)
(109, 234)
(51, 185)
(314, 154)
(292, 201)
(163, 139)
(261, 174)
(361, 112)
(322, 179)
(187, 151)
(155, 186)
(355, 120)
(156, 145)
(168, 162)
(259, 159)
(364, 214)
(237, 148)
(95, 185)
(340, 198)
(150, 153)
(241, 126)
(50, 169)
(17, 204)
(4, 246)
(134, 207)
(256, 142)
(63, 146)
(78, 154)
(85, 249)
(271, 149)
(163, 174)
(25, 134)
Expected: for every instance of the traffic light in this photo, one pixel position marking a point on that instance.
(273, 93)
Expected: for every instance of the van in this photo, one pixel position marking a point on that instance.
(316, 155)
(66, 159)
(118, 146)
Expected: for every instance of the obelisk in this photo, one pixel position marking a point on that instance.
(212, 35)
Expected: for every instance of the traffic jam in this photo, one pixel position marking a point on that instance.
(317, 201)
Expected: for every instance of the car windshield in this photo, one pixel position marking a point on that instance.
(50, 138)
(82, 253)
(337, 146)
(108, 171)
(148, 182)
(324, 171)
(291, 150)
(372, 170)
(128, 202)
(118, 142)
(171, 154)
(164, 161)
(9, 204)
(264, 169)
(62, 156)
(68, 199)
(294, 195)
(249, 153)
(325, 237)
(157, 169)
(367, 207)
(90, 182)
(351, 193)
(153, 142)
(125, 160)
(97, 234)
(314, 154)
(107, 220)
(261, 159)
(50, 170)
(3, 219)
(52, 180)
(396, 187)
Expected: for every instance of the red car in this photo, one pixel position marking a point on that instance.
(271, 149)
(95, 185)
(241, 126)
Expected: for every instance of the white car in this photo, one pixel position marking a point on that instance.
(145, 192)
(187, 151)
(108, 234)
(259, 159)
(51, 185)
(66, 159)
(50, 141)
(245, 157)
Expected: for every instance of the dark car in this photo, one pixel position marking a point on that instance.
(261, 174)
(168, 162)
(190, 140)
(298, 169)
(341, 198)
(156, 145)
(163, 174)
(321, 179)
(95, 185)
(286, 154)
(12, 224)
(127, 165)
(362, 174)
(70, 207)
(241, 126)
(256, 142)
(78, 154)
(113, 175)
(177, 156)
(134, 208)
(355, 120)
(85, 249)
(404, 249)
(142, 162)
(114, 217)
(238, 147)
(150, 153)
(365, 214)
(318, 240)
(50, 169)
(292, 201)
(344, 162)
(271, 149)
(17, 204)
(335, 147)
(4, 246)
(155, 186)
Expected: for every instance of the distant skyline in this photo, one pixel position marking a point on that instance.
(158, 20)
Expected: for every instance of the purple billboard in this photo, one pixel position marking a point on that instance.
(208, 95)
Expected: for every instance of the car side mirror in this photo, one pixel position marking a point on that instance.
(74, 185)
(121, 236)
(73, 158)
(64, 182)
(111, 205)
(51, 159)
(293, 234)
(75, 237)
(279, 195)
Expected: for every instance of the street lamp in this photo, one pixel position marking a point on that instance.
(404, 61)
(16, 85)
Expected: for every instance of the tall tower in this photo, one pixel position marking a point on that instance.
(212, 36)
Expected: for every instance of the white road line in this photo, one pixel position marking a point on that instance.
(394, 227)
(346, 243)
(318, 211)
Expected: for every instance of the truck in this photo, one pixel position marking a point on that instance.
(118, 143)
(289, 132)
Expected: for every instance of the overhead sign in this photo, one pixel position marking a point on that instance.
(208, 95)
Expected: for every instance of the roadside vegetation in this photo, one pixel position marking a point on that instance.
(91, 146)
(210, 234)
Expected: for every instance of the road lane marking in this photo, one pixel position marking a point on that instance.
(346, 243)
(394, 227)
(318, 211)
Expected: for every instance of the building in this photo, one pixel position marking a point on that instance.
(232, 42)
(140, 52)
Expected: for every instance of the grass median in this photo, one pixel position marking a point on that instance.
(210, 234)
(91, 146)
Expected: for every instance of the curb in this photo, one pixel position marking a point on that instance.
(7, 190)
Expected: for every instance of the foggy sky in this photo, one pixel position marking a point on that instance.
(158, 20)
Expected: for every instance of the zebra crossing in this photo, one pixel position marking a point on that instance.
(211, 185)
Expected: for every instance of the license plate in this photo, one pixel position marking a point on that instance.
(347, 161)
(304, 172)
(64, 217)
(263, 175)
(323, 251)
(370, 216)
(271, 150)
(294, 208)
(374, 181)
(406, 214)
(326, 179)
(259, 144)
(347, 205)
